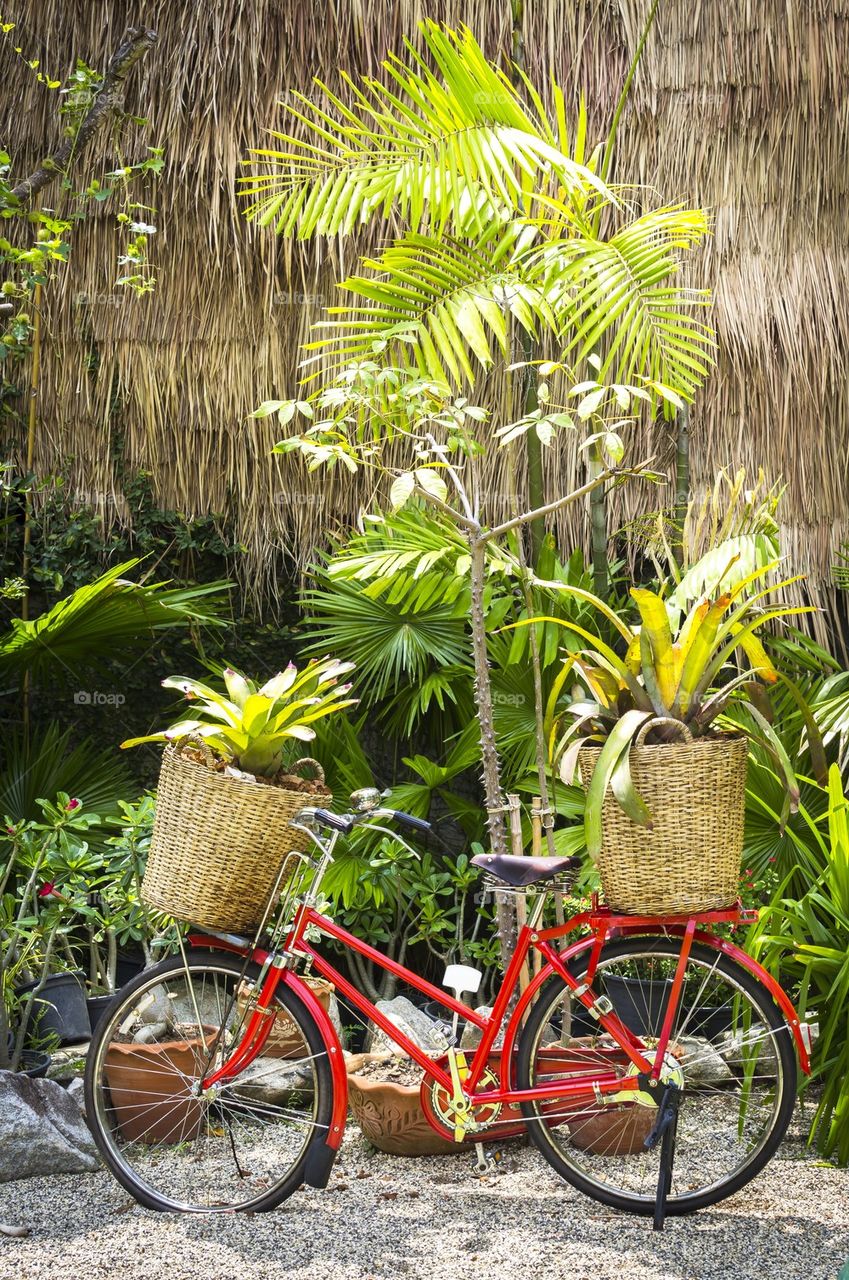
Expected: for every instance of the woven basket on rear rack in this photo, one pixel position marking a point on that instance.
(219, 843)
(689, 860)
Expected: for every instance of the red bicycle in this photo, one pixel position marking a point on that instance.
(650, 1060)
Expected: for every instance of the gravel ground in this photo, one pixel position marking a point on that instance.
(384, 1217)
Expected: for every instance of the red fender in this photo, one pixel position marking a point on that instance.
(335, 1055)
(709, 939)
(333, 1048)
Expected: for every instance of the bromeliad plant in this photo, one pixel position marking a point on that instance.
(253, 728)
(678, 675)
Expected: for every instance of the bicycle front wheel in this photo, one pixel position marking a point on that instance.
(239, 1145)
(730, 1052)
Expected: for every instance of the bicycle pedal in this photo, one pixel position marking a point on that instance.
(489, 1161)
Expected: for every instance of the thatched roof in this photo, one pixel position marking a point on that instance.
(742, 108)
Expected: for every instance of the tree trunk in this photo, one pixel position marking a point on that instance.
(108, 102)
(496, 825)
(682, 481)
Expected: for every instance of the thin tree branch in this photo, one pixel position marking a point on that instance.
(615, 473)
(108, 101)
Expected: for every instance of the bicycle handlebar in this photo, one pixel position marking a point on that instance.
(344, 822)
(415, 824)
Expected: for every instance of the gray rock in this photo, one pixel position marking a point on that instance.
(702, 1062)
(76, 1090)
(471, 1037)
(68, 1063)
(412, 1022)
(274, 1082)
(42, 1130)
(732, 1046)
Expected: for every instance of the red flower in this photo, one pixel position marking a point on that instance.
(11, 830)
(47, 890)
(72, 805)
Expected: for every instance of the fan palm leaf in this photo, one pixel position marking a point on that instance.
(47, 763)
(103, 617)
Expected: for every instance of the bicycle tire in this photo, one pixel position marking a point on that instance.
(544, 1135)
(99, 1104)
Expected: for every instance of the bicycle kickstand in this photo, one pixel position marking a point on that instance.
(664, 1130)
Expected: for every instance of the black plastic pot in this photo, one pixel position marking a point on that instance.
(60, 1008)
(97, 1006)
(34, 1064)
(712, 1023)
(355, 1031)
(641, 1006)
(129, 965)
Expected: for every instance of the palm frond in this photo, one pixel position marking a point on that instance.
(101, 618)
(447, 138)
(444, 302)
(619, 297)
(48, 763)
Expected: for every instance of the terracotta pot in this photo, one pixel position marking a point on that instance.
(284, 1039)
(391, 1115)
(147, 1085)
(606, 1129)
(613, 1130)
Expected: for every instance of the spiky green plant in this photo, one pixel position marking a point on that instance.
(252, 727)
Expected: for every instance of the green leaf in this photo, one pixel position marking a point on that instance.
(402, 490)
(618, 744)
(432, 483)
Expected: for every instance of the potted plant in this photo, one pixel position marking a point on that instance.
(661, 754)
(46, 863)
(389, 1098)
(228, 788)
(285, 1039)
(122, 931)
(150, 1085)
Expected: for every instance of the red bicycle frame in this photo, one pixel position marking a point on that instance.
(601, 924)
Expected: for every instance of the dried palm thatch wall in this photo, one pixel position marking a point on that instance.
(741, 107)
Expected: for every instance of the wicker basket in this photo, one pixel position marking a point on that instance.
(689, 860)
(218, 844)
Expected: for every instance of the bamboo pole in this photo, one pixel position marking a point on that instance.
(32, 420)
(536, 850)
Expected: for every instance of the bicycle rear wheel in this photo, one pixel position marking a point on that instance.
(241, 1145)
(731, 1053)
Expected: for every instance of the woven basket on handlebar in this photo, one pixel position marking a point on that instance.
(218, 843)
(689, 860)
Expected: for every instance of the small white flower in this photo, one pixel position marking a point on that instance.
(142, 229)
